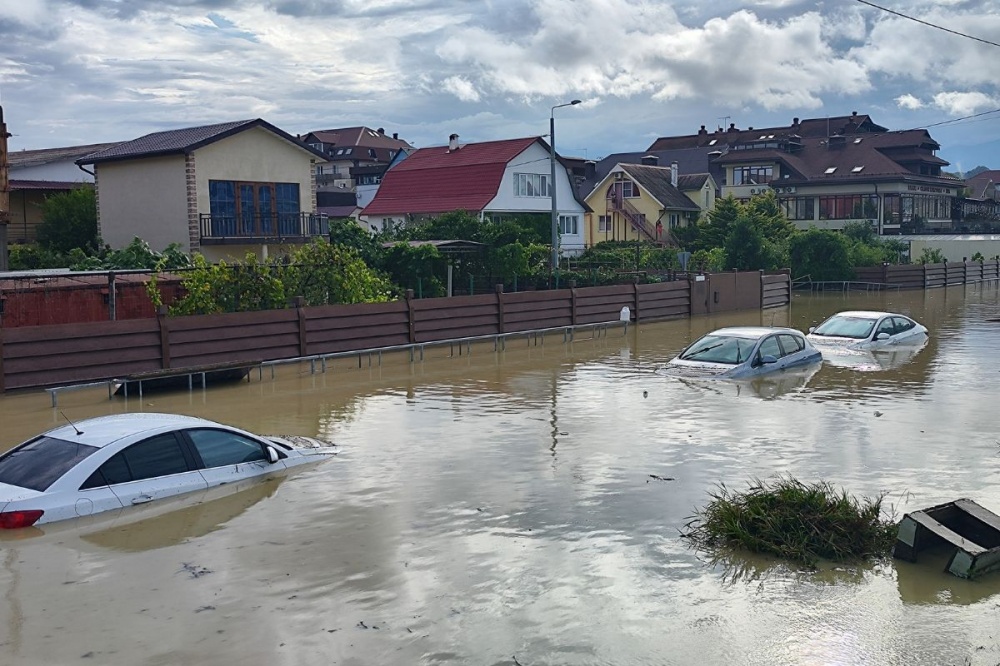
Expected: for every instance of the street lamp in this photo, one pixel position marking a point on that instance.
(552, 159)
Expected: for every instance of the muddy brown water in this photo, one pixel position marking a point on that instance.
(488, 508)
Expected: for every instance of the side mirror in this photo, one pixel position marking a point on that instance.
(812, 328)
(272, 455)
(767, 360)
(882, 336)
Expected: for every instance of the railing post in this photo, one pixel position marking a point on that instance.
(164, 324)
(635, 300)
(572, 302)
(410, 315)
(501, 328)
(112, 304)
(925, 275)
(300, 303)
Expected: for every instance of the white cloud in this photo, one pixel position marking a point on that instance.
(461, 88)
(965, 103)
(908, 101)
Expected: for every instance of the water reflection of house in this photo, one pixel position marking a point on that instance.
(221, 190)
(37, 174)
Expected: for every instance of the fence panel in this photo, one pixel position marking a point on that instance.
(602, 304)
(527, 310)
(665, 300)
(775, 291)
(337, 328)
(232, 337)
(456, 317)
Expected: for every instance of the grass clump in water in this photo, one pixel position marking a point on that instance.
(795, 521)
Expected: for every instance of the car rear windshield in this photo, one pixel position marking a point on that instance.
(846, 327)
(38, 463)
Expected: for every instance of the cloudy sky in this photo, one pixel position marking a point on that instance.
(82, 71)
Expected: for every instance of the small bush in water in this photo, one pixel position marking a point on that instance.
(794, 520)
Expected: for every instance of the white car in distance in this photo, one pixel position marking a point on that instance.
(113, 462)
(866, 329)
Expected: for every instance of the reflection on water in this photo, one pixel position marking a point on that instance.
(492, 506)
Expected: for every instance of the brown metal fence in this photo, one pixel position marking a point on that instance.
(925, 276)
(36, 356)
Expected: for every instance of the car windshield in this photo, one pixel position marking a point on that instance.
(719, 349)
(38, 463)
(846, 327)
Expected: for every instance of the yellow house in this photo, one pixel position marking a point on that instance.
(220, 190)
(639, 202)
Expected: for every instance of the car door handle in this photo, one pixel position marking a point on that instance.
(142, 499)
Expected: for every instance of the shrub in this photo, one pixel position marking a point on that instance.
(69, 220)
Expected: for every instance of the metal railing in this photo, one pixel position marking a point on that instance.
(280, 226)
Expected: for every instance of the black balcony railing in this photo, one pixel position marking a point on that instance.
(284, 227)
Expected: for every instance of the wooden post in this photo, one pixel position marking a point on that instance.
(164, 323)
(925, 275)
(572, 304)
(4, 193)
(300, 303)
(410, 315)
(635, 301)
(501, 328)
(112, 301)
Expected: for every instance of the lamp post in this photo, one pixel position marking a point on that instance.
(552, 185)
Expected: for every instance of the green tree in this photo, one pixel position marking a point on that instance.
(714, 227)
(324, 273)
(69, 220)
(821, 254)
(416, 267)
(745, 246)
(349, 233)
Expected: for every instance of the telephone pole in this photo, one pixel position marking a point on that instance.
(4, 192)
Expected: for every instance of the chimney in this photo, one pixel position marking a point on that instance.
(395, 135)
(673, 174)
(732, 127)
(795, 122)
(650, 160)
(702, 130)
(590, 169)
(854, 114)
(452, 143)
(381, 130)
(750, 128)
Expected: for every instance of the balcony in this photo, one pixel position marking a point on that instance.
(274, 228)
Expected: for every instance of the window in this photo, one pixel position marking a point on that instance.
(220, 447)
(38, 463)
(848, 207)
(752, 175)
(830, 170)
(858, 169)
(675, 220)
(903, 208)
(629, 189)
(371, 152)
(569, 224)
(769, 347)
(903, 324)
(531, 185)
(161, 455)
(604, 224)
(251, 208)
(886, 326)
(791, 344)
(799, 208)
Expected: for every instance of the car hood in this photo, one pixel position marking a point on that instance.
(821, 341)
(681, 368)
(306, 446)
(9, 493)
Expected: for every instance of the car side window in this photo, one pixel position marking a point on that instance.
(218, 448)
(903, 324)
(157, 456)
(886, 326)
(770, 347)
(791, 344)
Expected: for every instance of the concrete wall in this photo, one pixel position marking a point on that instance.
(145, 198)
(259, 156)
(955, 248)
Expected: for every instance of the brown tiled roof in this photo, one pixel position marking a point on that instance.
(808, 128)
(980, 183)
(656, 181)
(22, 159)
(691, 181)
(183, 141)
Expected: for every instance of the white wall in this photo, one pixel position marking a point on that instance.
(145, 198)
(65, 171)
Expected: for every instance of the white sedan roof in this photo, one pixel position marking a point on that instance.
(105, 430)
(752, 332)
(866, 314)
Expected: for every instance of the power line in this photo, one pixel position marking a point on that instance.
(932, 25)
(958, 120)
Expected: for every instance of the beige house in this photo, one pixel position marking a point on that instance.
(640, 202)
(221, 190)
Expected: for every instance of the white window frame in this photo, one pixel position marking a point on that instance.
(569, 224)
(534, 185)
(604, 224)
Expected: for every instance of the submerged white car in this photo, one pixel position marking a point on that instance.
(745, 351)
(865, 329)
(112, 462)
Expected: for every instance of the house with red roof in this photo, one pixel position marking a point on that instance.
(220, 190)
(491, 179)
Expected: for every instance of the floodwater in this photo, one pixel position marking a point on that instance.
(498, 508)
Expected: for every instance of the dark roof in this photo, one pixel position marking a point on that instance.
(439, 180)
(656, 181)
(364, 137)
(17, 184)
(689, 161)
(186, 140)
(808, 128)
(692, 181)
(22, 159)
(336, 211)
(980, 184)
(336, 198)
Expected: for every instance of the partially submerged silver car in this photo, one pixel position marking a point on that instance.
(745, 351)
